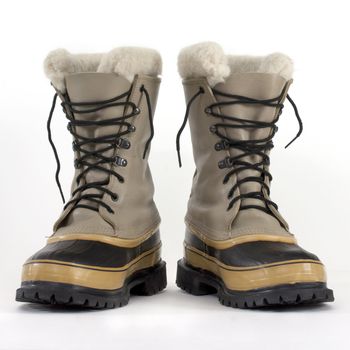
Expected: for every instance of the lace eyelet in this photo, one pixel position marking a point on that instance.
(123, 143)
(222, 145)
(131, 128)
(137, 110)
(114, 197)
(76, 164)
(119, 161)
(225, 163)
(212, 128)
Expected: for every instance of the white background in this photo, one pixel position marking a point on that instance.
(311, 178)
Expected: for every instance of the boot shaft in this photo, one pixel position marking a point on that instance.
(110, 101)
(232, 121)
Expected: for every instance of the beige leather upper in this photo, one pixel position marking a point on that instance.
(135, 213)
(207, 207)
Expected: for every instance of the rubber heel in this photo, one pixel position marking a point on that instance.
(154, 282)
(192, 281)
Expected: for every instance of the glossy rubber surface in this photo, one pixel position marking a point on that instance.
(201, 282)
(143, 282)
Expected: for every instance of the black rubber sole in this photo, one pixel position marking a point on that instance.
(144, 282)
(201, 282)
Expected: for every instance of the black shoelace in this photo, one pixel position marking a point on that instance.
(257, 147)
(95, 159)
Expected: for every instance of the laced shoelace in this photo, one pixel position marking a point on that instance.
(95, 158)
(255, 147)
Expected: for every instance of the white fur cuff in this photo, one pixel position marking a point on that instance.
(209, 60)
(125, 61)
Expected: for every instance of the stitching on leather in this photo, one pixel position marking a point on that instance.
(237, 233)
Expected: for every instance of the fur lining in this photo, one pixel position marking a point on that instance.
(125, 61)
(208, 60)
(204, 60)
(128, 61)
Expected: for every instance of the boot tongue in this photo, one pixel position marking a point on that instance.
(260, 86)
(91, 87)
(87, 87)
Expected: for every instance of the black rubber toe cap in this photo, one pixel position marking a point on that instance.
(261, 252)
(254, 253)
(94, 253)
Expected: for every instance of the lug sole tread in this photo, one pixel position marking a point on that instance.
(146, 282)
(200, 282)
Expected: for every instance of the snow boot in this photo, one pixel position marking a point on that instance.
(106, 243)
(237, 244)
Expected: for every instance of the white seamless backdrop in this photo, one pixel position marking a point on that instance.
(310, 178)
